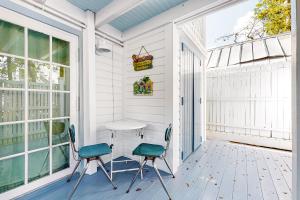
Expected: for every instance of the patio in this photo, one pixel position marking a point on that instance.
(217, 170)
(117, 83)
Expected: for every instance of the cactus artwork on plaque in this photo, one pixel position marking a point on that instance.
(143, 87)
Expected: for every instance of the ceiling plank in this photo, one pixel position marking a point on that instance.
(114, 10)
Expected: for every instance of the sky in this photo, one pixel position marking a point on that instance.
(225, 21)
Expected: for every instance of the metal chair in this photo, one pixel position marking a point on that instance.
(88, 153)
(151, 152)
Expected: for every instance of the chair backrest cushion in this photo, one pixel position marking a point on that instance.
(168, 133)
(72, 133)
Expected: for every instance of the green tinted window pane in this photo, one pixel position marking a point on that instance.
(11, 139)
(12, 72)
(38, 75)
(38, 165)
(60, 158)
(60, 78)
(11, 173)
(38, 45)
(38, 105)
(60, 131)
(60, 51)
(11, 38)
(60, 104)
(11, 106)
(38, 135)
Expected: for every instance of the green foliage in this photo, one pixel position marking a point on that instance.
(275, 15)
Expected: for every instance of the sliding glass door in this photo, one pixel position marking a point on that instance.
(35, 109)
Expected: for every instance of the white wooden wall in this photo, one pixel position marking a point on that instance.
(109, 91)
(149, 109)
(252, 99)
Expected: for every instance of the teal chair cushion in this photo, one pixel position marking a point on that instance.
(146, 149)
(94, 150)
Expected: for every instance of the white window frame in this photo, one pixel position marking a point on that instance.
(28, 23)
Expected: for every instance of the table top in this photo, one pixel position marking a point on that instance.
(125, 125)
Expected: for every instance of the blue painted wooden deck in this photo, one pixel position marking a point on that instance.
(218, 170)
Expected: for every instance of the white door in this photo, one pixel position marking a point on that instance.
(38, 92)
(190, 94)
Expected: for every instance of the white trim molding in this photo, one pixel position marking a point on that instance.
(296, 97)
(114, 10)
(89, 84)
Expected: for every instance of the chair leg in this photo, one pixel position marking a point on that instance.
(136, 175)
(105, 173)
(76, 166)
(169, 167)
(79, 180)
(160, 179)
(103, 164)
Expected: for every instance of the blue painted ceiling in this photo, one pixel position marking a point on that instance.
(143, 12)
(93, 5)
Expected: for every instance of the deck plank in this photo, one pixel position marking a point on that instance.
(227, 183)
(282, 188)
(183, 183)
(253, 183)
(286, 172)
(200, 179)
(267, 185)
(213, 185)
(218, 170)
(240, 184)
(183, 172)
(288, 161)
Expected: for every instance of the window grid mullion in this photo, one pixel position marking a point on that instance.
(26, 105)
(50, 107)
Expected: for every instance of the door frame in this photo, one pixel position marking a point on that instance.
(295, 98)
(26, 22)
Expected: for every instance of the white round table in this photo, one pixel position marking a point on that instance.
(125, 125)
(119, 126)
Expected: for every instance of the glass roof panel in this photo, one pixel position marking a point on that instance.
(235, 55)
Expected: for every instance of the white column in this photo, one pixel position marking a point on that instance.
(89, 102)
(172, 93)
(296, 97)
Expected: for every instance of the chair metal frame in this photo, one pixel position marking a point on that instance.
(163, 157)
(78, 159)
